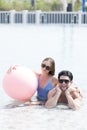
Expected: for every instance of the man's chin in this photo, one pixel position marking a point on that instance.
(63, 88)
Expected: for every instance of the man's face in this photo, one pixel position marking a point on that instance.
(64, 82)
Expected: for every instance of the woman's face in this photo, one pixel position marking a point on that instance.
(45, 67)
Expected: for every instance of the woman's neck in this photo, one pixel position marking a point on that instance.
(45, 76)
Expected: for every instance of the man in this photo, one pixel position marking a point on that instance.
(65, 92)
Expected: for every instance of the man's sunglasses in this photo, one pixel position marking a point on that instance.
(64, 80)
(46, 67)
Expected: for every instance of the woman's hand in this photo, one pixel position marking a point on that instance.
(12, 68)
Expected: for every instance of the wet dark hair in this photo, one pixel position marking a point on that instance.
(52, 65)
(66, 73)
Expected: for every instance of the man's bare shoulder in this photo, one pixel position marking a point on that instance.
(78, 89)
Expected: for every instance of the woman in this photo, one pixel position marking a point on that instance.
(46, 81)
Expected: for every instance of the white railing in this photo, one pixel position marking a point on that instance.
(38, 17)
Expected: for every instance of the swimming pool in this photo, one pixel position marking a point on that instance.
(28, 45)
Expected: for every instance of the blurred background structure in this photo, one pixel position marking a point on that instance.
(43, 5)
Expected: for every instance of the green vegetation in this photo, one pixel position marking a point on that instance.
(78, 5)
(57, 5)
(19, 5)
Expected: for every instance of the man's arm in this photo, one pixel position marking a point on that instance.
(76, 102)
(53, 97)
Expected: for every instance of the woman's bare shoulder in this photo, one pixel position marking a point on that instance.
(55, 80)
(37, 74)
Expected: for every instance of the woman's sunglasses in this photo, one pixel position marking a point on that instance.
(46, 67)
(64, 80)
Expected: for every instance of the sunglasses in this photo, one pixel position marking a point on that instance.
(64, 80)
(46, 67)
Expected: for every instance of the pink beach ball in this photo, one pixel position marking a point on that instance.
(20, 83)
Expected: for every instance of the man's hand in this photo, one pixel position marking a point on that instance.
(57, 89)
(71, 89)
